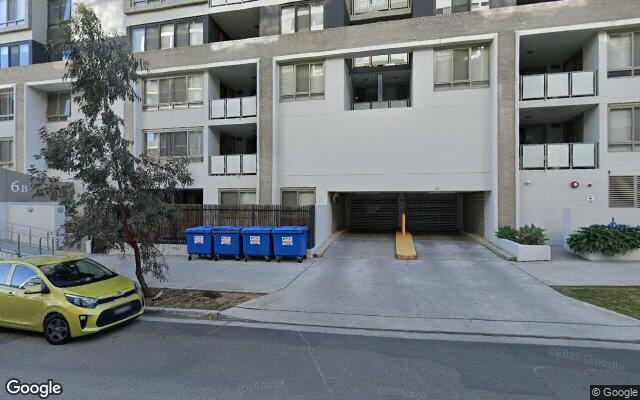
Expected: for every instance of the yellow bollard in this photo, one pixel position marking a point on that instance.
(404, 224)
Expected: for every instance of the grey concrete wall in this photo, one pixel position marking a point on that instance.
(265, 130)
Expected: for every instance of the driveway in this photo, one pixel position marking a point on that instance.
(455, 286)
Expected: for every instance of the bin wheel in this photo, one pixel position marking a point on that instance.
(267, 259)
(246, 258)
(305, 256)
(299, 259)
(217, 257)
(237, 258)
(278, 259)
(189, 257)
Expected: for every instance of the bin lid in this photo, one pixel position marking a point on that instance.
(226, 229)
(198, 229)
(257, 230)
(290, 229)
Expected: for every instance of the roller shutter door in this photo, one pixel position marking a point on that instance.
(374, 212)
(433, 212)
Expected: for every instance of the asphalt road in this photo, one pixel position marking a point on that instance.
(164, 360)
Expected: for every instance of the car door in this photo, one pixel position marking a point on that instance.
(25, 310)
(5, 273)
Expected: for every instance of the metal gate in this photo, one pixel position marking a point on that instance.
(373, 212)
(433, 212)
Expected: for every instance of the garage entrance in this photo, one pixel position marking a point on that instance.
(426, 212)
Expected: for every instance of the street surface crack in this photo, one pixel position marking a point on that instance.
(317, 365)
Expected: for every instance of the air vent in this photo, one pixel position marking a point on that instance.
(623, 191)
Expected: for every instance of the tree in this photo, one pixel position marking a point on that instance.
(124, 199)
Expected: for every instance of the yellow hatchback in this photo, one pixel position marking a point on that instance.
(65, 296)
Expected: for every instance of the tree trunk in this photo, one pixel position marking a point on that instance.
(139, 274)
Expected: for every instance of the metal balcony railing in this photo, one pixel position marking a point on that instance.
(558, 85)
(236, 107)
(234, 164)
(559, 156)
(215, 3)
(367, 6)
(368, 105)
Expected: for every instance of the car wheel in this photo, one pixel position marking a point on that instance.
(56, 330)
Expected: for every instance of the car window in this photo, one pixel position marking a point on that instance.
(76, 272)
(22, 275)
(4, 273)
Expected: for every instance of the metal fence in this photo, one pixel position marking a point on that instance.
(247, 215)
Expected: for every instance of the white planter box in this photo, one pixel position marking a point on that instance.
(632, 256)
(526, 252)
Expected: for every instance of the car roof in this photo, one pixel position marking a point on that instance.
(39, 261)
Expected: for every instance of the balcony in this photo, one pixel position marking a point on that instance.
(558, 85)
(374, 105)
(234, 164)
(367, 6)
(216, 3)
(236, 107)
(559, 156)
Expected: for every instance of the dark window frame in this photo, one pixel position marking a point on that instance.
(175, 24)
(307, 4)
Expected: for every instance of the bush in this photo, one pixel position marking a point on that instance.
(605, 240)
(527, 235)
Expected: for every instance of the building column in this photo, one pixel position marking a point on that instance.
(265, 130)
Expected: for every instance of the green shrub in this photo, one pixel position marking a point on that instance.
(528, 234)
(507, 232)
(604, 240)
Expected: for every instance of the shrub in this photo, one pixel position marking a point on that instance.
(528, 234)
(604, 240)
(507, 232)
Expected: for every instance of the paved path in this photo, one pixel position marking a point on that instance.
(227, 275)
(456, 286)
(170, 361)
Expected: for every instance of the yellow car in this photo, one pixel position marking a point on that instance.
(65, 296)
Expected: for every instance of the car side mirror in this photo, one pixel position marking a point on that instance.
(35, 288)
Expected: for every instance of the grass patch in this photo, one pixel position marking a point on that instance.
(198, 299)
(625, 300)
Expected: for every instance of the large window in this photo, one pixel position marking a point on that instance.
(468, 66)
(173, 92)
(6, 105)
(58, 106)
(367, 6)
(301, 81)
(237, 197)
(167, 35)
(298, 197)
(59, 11)
(6, 153)
(174, 143)
(624, 128)
(302, 18)
(624, 54)
(14, 55)
(12, 13)
(455, 6)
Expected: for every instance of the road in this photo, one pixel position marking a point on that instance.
(159, 359)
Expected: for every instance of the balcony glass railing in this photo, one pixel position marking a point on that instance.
(367, 6)
(368, 105)
(558, 85)
(234, 164)
(236, 107)
(559, 156)
(215, 3)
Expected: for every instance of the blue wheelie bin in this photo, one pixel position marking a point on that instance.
(227, 241)
(256, 242)
(290, 242)
(199, 241)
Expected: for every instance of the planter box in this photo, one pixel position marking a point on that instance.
(632, 256)
(526, 252)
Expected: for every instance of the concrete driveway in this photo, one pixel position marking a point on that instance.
(456, 286)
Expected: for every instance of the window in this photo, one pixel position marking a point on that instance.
(22, 275)
(5, 269)
(167, 35)
(174, 143)
(14, 55)
(12, 13)
(58, 106)
(381, 60)
(624, 128)
(301, 81)
(237, 197)
(461, 67)
(366, 6)
(624, 191)
(624, 54)
(302, 18)
(59, 11)
(456, 6)
(6, 105)
(173, 92)
(298, 197)
(6, 153)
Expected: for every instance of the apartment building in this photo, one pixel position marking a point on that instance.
(464, 114)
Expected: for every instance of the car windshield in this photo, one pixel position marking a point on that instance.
(76, 273)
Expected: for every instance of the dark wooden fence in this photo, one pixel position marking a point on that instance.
(250, 215)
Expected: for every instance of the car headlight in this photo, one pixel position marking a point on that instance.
(86, 302)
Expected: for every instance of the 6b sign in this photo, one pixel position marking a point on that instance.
(18, 187)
